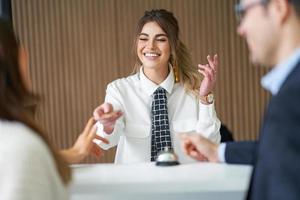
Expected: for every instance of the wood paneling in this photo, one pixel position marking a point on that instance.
(78, 46)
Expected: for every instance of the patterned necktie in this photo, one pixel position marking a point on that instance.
(160, 129)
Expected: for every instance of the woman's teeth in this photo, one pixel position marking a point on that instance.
(151, 54)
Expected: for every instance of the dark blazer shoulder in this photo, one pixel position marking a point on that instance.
(293, 79)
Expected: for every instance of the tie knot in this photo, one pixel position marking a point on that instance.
(159, 90)
(160, 94)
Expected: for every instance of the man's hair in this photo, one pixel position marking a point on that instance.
(296, 4)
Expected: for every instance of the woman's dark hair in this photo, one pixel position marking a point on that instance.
(14, 94)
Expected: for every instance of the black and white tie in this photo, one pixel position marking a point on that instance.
(160, 129)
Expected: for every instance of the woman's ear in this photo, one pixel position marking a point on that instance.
(24, 68)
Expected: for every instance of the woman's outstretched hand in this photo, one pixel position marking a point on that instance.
(84, 145)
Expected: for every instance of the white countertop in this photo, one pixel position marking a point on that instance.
(147, 180)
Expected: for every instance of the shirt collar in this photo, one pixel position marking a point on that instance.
(149, 87)
(276, 77)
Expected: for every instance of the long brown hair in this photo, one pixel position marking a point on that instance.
(14, 95)
(180, 56)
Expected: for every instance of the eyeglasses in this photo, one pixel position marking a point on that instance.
(240, 9)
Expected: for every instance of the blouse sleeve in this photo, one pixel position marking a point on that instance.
(113, 97)
(208, 123)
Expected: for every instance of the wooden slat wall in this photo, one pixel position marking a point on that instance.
(78, 46)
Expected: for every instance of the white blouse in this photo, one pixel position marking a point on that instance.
(132, 133)
(27, 169)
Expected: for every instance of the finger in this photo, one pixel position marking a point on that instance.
(97, 137)
(192, 147)
(89, 126)
(100, 140)
(195, 140)
(208, 57)
(110, 117)
(103, 108)
(197, 155)
(216, 60)
(205, 74)
(194, 154)
(210, 60)
(93, 135)
(200, 66)
(216, 63)
(203, 65)
(98, 144)
(208, 70)
(186, 147)
(112, 114)
(211, 63)
(206, 67)
(106, 107)
(97, 113)
(183, 142)
(201, 157)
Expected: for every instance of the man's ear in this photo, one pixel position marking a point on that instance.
(280, 10)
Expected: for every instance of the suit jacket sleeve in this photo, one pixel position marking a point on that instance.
(240, 152)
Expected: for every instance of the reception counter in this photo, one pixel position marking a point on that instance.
(207, 181)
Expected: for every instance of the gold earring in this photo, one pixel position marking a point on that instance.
(176, 73)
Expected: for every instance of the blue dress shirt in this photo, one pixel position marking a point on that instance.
(272, 82)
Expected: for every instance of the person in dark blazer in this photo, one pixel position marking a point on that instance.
(271, 29)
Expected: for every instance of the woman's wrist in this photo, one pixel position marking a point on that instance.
(207, 99)
(72, 155)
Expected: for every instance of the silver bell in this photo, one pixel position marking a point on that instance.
(167, 158)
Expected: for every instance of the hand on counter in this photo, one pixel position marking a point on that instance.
(199, 148)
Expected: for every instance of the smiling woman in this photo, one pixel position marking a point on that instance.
(145, 112)
(153, 50)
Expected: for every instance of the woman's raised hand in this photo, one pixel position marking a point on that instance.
(209, 71)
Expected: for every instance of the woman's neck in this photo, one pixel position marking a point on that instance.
(157, 76)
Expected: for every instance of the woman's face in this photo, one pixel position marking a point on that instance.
(153, 47)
